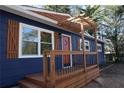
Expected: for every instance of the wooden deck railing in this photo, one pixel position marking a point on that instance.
(55, 74)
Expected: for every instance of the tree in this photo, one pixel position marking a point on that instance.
(111, 20)
(114, 21)
(58, 8)
(93, 12)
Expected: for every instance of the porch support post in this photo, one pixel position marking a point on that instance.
(97, 60)
(83, 44)
(52, 68)
(45, 66)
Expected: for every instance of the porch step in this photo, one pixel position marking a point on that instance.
(33, 80)
(27, 84)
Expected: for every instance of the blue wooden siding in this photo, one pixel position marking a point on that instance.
(0, 49)
(15, 70)
(101, 54)
(11, 71)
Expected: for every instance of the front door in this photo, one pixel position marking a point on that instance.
(66, 46)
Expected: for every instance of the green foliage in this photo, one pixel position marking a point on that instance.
(58, 8)
(93, 12)
(114, 21)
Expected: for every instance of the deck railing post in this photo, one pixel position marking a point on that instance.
(45, 66)
(52, 68)
(83, 45)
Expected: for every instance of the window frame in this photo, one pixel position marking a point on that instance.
(85, 44)
(21, 25)
(99, 50)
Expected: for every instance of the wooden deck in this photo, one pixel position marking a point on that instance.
(76, 75)
(72, 80)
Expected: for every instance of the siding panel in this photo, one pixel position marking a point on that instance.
(0, 47)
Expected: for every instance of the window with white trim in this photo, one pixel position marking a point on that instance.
(29, 41)
(46, 41)
(99, 47)
(87, 45)
(33, 41)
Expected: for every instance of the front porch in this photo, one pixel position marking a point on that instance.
(67, 68)
(77, 75)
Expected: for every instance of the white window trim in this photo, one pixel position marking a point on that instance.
(88, 45)
(99, 50)
(85, 46)
(21, 25)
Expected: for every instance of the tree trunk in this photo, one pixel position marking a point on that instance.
(116, 46)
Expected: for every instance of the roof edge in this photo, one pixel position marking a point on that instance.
(43, 10)
(21, 12)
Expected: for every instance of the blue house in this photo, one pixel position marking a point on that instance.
(34, 41)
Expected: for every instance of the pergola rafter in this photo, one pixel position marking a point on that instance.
(77, 20)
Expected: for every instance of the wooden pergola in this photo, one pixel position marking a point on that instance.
(80, 23)
(84, 22)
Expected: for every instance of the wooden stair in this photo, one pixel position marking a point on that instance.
(78, 79)
(33, 81)
(27, 84)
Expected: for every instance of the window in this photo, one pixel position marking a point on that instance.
(46, 42)
(29, 41)
(99, 47)
(87, 45)
(33, 41)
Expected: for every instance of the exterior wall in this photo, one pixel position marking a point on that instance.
(101, 54)
(15, 69)
(91, 59)
(11, 71)
(0, 49)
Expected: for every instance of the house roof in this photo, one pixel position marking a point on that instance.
(63, 20)
(21, 11)
(57, 17)
(48, 17)
(51, 18)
